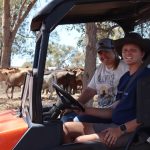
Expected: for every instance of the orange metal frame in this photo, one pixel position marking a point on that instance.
(11, 129)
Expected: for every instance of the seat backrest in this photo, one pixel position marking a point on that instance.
(143, 101)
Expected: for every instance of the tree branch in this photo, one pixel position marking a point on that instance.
(21, 16)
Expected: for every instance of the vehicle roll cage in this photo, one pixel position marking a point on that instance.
(126, 13)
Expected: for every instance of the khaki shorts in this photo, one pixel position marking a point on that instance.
(122, 141)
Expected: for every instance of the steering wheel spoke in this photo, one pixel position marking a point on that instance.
(67, 99)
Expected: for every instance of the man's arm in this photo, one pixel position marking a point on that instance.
(105, 113)
(110, 135)
(87, 94)
(131, 125)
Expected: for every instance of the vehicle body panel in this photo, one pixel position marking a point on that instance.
(11, 129)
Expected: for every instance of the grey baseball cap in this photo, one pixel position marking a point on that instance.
(105, 44)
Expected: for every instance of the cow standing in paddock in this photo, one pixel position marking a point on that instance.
(13, 80)
(13, 77)
(67, 80)
(47, 86)
(79, 79)
(78, 85)
(5, 71)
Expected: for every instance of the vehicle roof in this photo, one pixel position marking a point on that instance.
(127, 13)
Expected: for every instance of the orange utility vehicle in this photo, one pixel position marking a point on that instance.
(35, 127)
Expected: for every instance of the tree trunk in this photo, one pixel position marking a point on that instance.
(6, 34)
(90, 58)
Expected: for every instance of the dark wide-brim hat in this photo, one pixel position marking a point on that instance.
(133, 38)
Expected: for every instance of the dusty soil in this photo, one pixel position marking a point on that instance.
(6, 103)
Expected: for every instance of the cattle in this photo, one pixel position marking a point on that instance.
(79, 79)
(48, 81)
(5, 71)
(13, 77)
(70, 79)
(13, 80)
(67, 80)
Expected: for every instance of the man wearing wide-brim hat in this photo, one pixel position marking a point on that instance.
(133, 38)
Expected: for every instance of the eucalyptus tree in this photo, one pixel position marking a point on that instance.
(13, 14)
(60, 55)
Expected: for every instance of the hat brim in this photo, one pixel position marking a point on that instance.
(104, 49)
(144, 44)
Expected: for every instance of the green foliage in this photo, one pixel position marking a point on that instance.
(144, 29)
(64, 56)
(81, 29)
(109, 29)
(78, 60)
(23, 43)
(27, 64)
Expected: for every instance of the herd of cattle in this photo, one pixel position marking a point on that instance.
(69, 79)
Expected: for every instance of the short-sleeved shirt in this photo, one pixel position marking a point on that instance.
(126, 109)
(105, 82)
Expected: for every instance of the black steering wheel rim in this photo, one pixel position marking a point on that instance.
(68, 97)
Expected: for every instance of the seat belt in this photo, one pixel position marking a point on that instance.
(146, 63)
(138, 72)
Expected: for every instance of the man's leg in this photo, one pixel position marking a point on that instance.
(74, 129)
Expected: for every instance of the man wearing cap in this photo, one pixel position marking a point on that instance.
(107, 76)
(103, 83)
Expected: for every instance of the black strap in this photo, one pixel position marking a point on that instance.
(139, 71)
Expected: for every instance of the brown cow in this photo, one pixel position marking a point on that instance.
(67, 79)
(14, 79)
(5, 71)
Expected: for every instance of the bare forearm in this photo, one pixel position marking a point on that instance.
(99, 112)
(131, 125)
(87, 94)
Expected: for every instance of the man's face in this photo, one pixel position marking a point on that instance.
(132, 54)
(106, 57)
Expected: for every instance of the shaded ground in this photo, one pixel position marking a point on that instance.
(6, 104)
(15, 103)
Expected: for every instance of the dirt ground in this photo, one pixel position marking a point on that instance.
(7, 104)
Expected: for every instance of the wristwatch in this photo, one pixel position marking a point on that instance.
(123, 128)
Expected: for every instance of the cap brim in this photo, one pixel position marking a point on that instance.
(104, 49)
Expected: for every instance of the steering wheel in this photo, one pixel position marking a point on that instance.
(67, 101)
